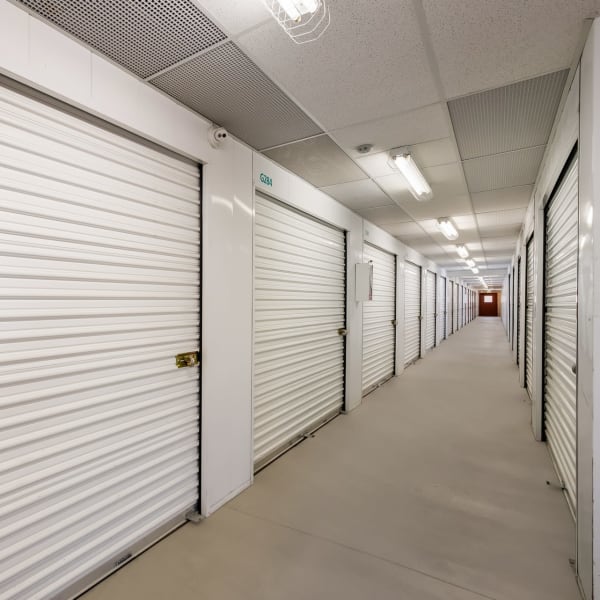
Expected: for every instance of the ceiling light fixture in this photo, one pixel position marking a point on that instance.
(303, 20)
(470, 263)
(462, 251)
(446, 226)
(405, 163)
(483, 282)
(475, 270)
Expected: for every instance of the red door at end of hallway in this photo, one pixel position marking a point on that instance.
(488, 304)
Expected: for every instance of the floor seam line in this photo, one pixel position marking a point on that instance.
(364, 552)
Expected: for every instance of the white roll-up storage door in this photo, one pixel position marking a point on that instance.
(379, 320)
(430, 316)
(456, 308)
(529, 308)
(560, 330)
(100, 272)
(441, 303)
(412, 312)
(299, 310)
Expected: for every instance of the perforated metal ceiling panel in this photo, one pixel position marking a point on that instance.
(319, 160)
(224, 85)
(507, 118)
(145, 36)
(503, 170)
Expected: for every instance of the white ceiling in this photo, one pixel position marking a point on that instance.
(472, 86)
(386, 73)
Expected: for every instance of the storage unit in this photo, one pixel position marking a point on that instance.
(560, 330)
(379, 320)
(454, 307)
(430, 308)
(529, 308)
(299, 326)
(442, 309)
(100, 270)
(518, 310)
(412, 312)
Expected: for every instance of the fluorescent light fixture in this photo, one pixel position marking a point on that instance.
(475, 270)
(296, 8)
(446, 226)
(303, 20)
(462, 251)
(483, 282)
(406, 164)
(470, 263)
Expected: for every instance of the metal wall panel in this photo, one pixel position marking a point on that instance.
(442, 309)
(100, 267)
(299, 310)
(379, 320)
(455, 307)
(412, 312)
(430, 314)
(560, 330)
(529, 308)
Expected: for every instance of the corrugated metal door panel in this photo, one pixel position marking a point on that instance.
(379, 320)
(430, 316)
(100, 272)
(560, 330)
(412, 312)
(518, 310)
(299, 306)
(441, 302)
(529, 308)
(448, 308)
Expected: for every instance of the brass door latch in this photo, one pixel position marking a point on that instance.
(187, 359)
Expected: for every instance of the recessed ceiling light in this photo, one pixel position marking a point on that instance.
(446, 226)
(470, 263)
(475, 270)
(462, 251)
(406, 164)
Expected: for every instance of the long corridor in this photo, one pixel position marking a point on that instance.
(434, 489)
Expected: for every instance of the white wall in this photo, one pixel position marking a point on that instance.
(588, 377)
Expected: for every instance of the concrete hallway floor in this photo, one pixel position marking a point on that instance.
(434, 489)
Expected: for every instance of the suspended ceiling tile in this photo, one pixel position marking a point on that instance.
(408, 232)
(225, 86)
(487, 44)
(427, 154)
(503, 170)
(384, 215)
(235, 16)
(362, 67)
(500, 230)
(358, 194)
(428, 250)
(507, 118)
(501, 218)
(144, 36)
(404, 129)
(502, 199)
(318, 160)
(504, 244)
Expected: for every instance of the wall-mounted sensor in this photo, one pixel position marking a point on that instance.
(217, 135)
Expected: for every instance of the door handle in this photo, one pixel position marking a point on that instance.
(342, 331)
(187, 359)
(394, 322)
(574, 369)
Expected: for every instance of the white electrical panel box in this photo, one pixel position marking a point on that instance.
(364, 282)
